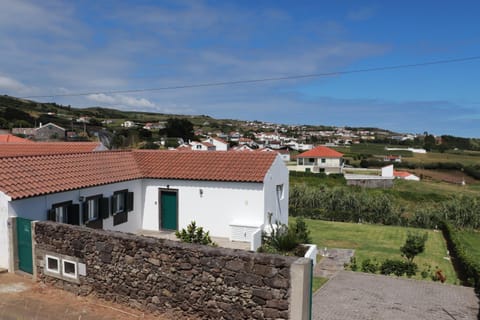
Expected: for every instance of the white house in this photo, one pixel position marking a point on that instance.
(129, 124)
(220, 144)
(320, 159)
(231, 194)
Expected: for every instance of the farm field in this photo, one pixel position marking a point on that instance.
(380, 242)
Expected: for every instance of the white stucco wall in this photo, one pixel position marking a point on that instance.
(275, 203)
(329, 162)
(36, 208)
(4, 249)
(220, 204)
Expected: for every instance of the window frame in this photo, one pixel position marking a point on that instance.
(65, 206)
(124, 193)
(280, 190)
(96, 198)
(67, 274)
(57, 271)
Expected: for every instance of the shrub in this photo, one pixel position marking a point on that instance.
(286, 240)
(281, 238)
(414, 245)
(301, 230)
(353, 264)
(369, 266)
(469, 268)
(194, 234)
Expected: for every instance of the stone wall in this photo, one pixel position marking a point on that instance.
(161, 275)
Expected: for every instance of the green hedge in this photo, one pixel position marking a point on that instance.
(469, 269)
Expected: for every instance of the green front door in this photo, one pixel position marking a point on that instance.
(24, 243)
(168, 211)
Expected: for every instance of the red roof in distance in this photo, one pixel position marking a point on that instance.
(320, 152)
(10, 138)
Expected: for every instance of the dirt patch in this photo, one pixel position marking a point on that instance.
(39, 301)
(450, 176)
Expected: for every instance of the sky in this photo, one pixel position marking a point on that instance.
(55, 48)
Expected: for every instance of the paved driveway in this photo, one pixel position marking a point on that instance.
(355, 295)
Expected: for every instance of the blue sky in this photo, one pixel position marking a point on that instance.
(64, 47)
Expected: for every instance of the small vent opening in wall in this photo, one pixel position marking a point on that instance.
(53, 264)
(69, 269)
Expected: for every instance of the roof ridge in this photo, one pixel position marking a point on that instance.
(56, 154)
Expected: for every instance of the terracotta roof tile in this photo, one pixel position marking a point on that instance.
(10, 138)
(320, 151)
(42, 148)
(401, 174)
(28, 176)
(214, 165)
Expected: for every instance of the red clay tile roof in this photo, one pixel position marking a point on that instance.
(29, 176)
(10, 138)
(320, 151)
(39, 148)
(213, 166)
(401, 174)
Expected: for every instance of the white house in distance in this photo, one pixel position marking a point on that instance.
(220, 144)
(231, 194)
(320, 159)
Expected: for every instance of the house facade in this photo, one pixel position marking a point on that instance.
(220, 144)
(320, 159)
(232, 195)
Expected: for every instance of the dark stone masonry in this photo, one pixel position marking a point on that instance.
(159, 275)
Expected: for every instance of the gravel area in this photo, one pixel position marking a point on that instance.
(355, 295)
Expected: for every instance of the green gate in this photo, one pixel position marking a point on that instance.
(24, 244)
(168, 201)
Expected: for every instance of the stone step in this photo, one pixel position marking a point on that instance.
(3, 270)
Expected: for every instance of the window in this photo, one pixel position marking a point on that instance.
(122, 203)
(61, 214)
(92, 209)
(118, 202)
(323, 160)
(69, 269)
(52, 264)
(65, 212)
(280, 191)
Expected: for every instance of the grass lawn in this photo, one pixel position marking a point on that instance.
(471, 242)
(318, 282)
(380, 242)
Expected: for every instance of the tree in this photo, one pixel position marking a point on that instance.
(179, 128)
(414, 245)
(429, 142)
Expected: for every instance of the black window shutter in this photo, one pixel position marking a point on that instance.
(73, 214)
(51, 215)
(85, 212)
(104, 208)
(129, 201)
(114, 204)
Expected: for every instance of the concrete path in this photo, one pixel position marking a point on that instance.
(332, 262)
(355, 295)
(221, 242)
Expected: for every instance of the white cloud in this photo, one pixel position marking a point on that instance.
(121, 100)
(7, 83)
